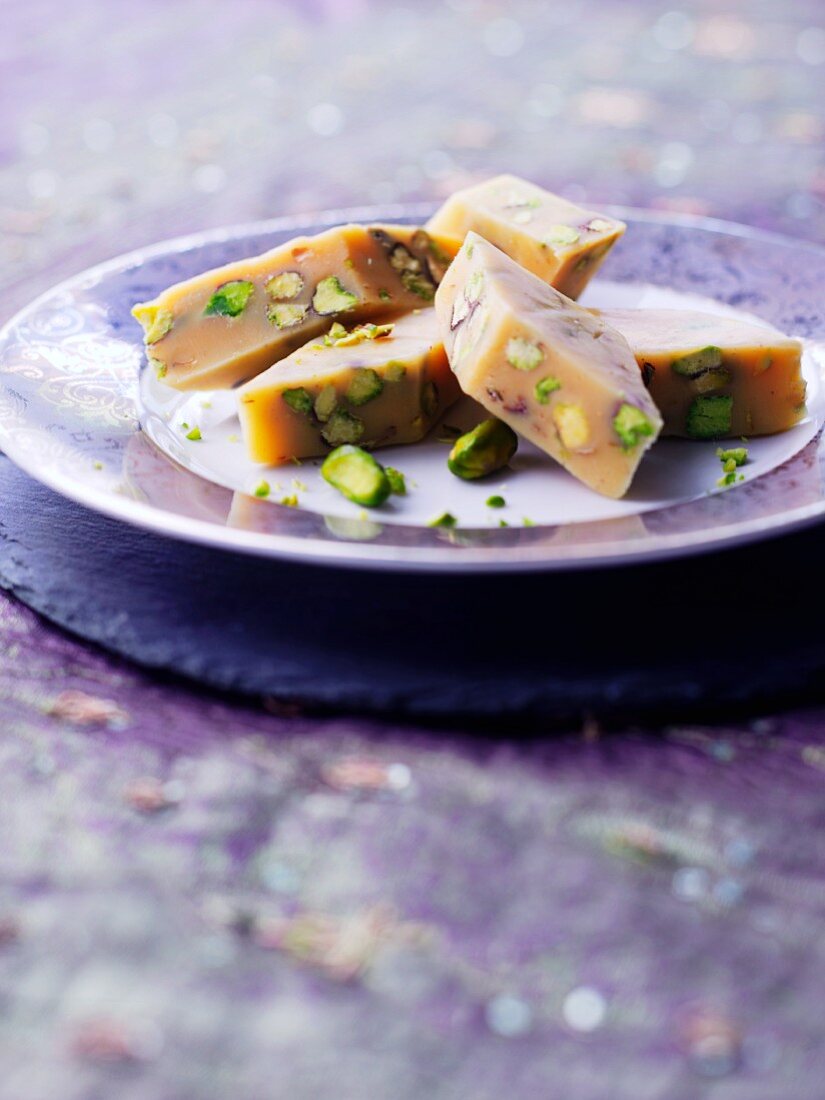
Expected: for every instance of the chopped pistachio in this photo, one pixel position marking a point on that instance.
(357, 475)
(631, 425)
(572, 426)
(299, 486)
(97, 465)
(156, 322)
(765, 363)
(560, 235)
(599, 225)
(286, 314)
(474, 287)
(361, 333)
(286, 285)
(411, 273)
(325, 402)
(503, 523)
(523, 354)
(366, 385)
(496, 502)
(446, 519)
(262, 489)
(429, 399)
(194, 434)
(331, 297)
(394, 371)
(737, 455)
(384, 295)
(398, 483)
(544, 387)
(231, 299)
(709, 416)
(697, 362)
(290, 501)
(342, 427)
(527, 522)
(159, 368)
(711, 380)
(485, 449)
(299, 399)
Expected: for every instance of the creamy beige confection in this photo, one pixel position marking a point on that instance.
(227, 325)
(374, 385)
(560, 242)
(714, 376)
(550, 369)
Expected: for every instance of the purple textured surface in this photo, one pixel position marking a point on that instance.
(205, 899)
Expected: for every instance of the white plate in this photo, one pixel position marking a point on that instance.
(70, 401)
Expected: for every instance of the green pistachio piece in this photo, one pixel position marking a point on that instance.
(286, 314)
(290, 501)
(697, 362)
(474, 287)
(262, 489)
(446, 519)
(356, 474)
(411, 273)
(325, 403)
(631, 425)
(429, 399)
(194, 435)
(560, 235)
(286, 285)
(737, 455)
(159, 367)
(342, 427)
(365, 386)
(544, 387)
(384, 295)
(331, 297)
(496, 502)
(523, 354)
(299, 399)
(398, 483)
(394, 371)
(709, 416)
(572, 426)
(361, 333)
(231, 299)
(156, 321)
(485, 449)
(711, 380)
(599, 225)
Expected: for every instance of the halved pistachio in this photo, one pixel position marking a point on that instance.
(331, 297)
(709, 416)
(398, 483)
(544, 387)
(631, 425)
(299, 399)
(325, 402)
(560, 235)
(286, 314)
(697, 362)
(342, 427)
(523, 354)
(366, 385)
(356, 474)
(715, 379)
(395, 371)
(485, 449)
(231, 299)
(572, 426)
(156, 321)
(411, 273)
(429, 399)
(287, 284)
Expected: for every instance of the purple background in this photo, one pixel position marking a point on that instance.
(200, 898)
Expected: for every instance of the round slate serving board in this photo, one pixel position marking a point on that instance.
(725, 630)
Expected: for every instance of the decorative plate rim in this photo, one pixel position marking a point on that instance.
(363, 555)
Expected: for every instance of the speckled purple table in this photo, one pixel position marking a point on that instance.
(206, 898)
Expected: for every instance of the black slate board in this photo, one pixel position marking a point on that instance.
(739, 628)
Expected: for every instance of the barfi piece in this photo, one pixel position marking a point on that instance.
(549, 368)
(560, 242)
(714, 376)
(227, 325)
(375, 385)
